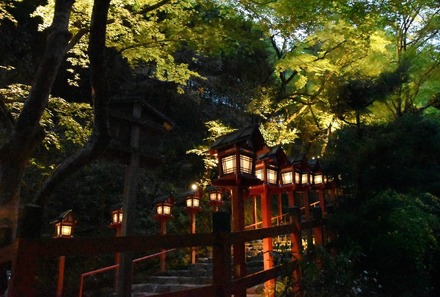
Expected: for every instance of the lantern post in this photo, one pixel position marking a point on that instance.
(192, 202)
(267, 170)
(236, 154)
(117, 216)
(163, 213)
(64, 226)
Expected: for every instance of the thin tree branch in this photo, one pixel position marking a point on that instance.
(147, 9)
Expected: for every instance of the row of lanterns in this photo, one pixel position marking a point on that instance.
(66, 221)
(244, 153)
(241, 153)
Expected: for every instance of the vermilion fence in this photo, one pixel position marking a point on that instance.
(25, 255)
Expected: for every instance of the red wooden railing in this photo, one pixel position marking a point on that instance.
(25, 254)
(114, 267)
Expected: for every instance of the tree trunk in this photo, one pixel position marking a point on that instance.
(27, 132)
(101, 135)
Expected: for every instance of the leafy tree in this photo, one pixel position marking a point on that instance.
(402, 245)
(390, 178)
(413, 28)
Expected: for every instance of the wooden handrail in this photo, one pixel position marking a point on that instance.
(28, 252)
(108, 268)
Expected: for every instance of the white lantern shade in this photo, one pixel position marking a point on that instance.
(163, 209)
(63, 229)
(317, 179)
(215, 196)
(192, 202)
(228, 164)
(272, 176)
(287, 177)
(305, 178)
(259, 173)
(117, 216)
(167, 210)
(245, 164)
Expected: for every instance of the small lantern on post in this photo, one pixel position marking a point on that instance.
(269, 176)
(215, 197)
(192, 202)
(64, 226)
(163, 213)
(117, 216)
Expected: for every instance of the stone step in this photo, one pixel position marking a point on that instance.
(179, 280)
(141, 290)
(145, 290)
(196, 275)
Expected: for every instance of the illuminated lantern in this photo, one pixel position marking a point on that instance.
(215, 197)
(236, 155)
(64, 224)
(117, 216)
(164, 208)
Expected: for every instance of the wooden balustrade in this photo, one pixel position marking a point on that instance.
(26, 253)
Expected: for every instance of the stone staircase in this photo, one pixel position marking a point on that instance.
(197, 275)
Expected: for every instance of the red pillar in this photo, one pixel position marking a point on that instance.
(60, 283)
(193, 231)
(291, 199)
(163, 231)
(266, 215)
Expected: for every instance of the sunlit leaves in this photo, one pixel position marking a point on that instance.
(65, 124)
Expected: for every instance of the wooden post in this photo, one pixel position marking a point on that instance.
(255, 212)
(221, 253)
(295, 238)
(280, 209)
(322, 202)
(291, 199)
(239, 265)
(307, 216)
(317, 229)
(25, 269)
(117, 259)
(60, 282)
(129, 207)
(266, 214)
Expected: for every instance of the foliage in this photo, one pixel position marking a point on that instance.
(339, 275)
(398, 230)
(402, 155)
(390, 177)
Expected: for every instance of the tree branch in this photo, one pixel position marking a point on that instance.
(147, 9)
(100, 137)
